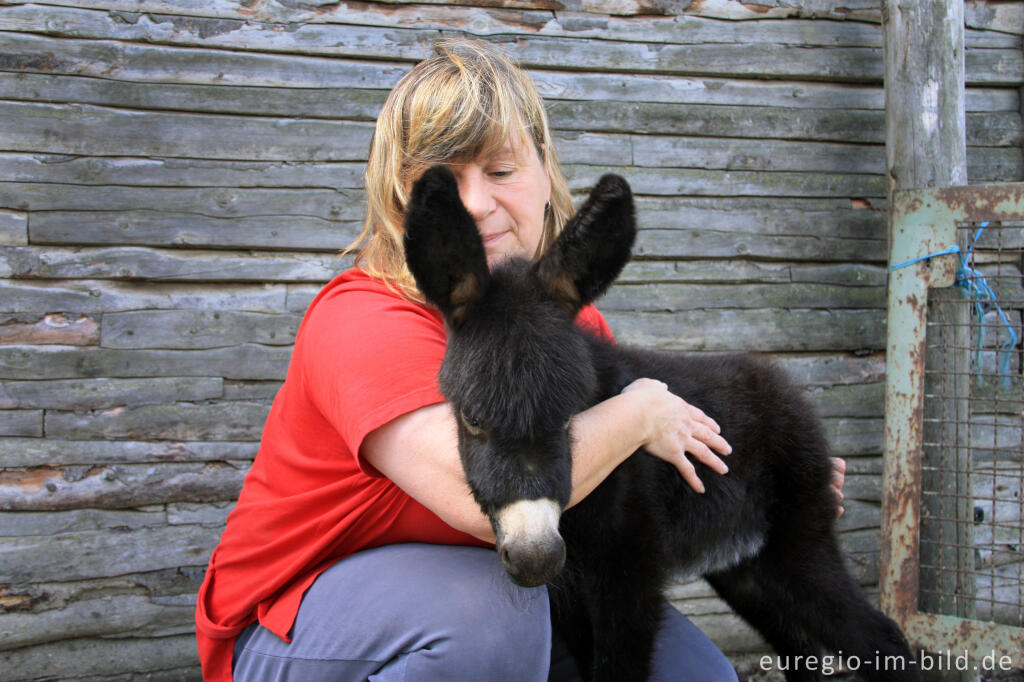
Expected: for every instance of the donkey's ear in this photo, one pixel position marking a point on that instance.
(593, 247)
(442, 246)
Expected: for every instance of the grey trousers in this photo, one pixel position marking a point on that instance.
(426, 613)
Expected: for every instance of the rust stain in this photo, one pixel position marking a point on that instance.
(985, 202)
(52, 329)
(19, 601)
(757, 9)
(32, 480)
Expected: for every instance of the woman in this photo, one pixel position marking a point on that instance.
(356, 550)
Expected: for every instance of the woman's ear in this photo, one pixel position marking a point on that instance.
(593, 248)
(442, 246)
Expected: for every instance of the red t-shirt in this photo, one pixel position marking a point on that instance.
(364, 355)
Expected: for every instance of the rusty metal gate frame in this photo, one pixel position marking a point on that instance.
(924, 223)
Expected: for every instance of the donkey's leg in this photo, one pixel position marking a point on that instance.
(570, 618)
(803, 600)
(626, 616)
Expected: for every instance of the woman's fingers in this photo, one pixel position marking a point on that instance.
(838, 480)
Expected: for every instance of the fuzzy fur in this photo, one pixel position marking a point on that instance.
(517, 368)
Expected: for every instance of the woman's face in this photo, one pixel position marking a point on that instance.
(506, 193)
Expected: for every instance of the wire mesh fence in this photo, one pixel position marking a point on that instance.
(972, 506)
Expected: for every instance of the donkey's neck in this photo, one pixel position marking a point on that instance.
(612, 374)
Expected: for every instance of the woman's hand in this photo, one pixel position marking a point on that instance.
(838, 479)
(674, 428)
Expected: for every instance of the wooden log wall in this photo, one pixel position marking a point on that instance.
(177, 177)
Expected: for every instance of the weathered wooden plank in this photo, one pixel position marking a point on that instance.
(680, 297)
(687, 182)
(174, 589)
(17, 524)
(186, 230)
(21, 423)
(833, 370)
(855, 400)
(58, 329)
(247, 361)
(215, 513)
(996, 129)
(44, 558)
(851, 275)
(859, 515)
(122, 614)
(854, 437)
(88, 129)
(168, 265)
(300, 296)
(234, 420)
(186, 329)
(713, 244)
(107, 660)
(744, 55)
(251, 390)
(116, 486)
(985, 164)
(355, 104)
(54, 452)
(98, 296)
(761, 330)
(115, 172)
(852, 218)
(649, 271)
(190, 203)
(863, 487)
(93, 394)
(1007, 17)
(13, 230)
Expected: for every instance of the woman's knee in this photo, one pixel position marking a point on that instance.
(429, 612)
(485, 627)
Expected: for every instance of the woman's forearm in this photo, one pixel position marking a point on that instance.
(603, 437)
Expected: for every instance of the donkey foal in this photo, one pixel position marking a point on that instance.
(517, 369)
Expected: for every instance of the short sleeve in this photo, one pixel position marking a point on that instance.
(367, 358)
(590, 319)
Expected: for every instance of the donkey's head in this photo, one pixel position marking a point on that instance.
(516, 368)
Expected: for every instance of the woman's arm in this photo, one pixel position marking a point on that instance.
(419, 450)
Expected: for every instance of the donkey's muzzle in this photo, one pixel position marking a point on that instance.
(529, 545)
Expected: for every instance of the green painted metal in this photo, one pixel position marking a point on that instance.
(925, 222)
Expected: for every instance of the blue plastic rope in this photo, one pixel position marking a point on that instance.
(897, 266)
(977, 290)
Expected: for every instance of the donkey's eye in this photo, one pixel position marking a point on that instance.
(475, 426)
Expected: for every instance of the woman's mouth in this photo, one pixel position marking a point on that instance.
(493, 238)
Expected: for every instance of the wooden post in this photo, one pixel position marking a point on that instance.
(926, 147)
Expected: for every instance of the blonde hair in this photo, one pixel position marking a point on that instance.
(465, 101)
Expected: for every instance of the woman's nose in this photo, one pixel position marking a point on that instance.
(476, 195)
